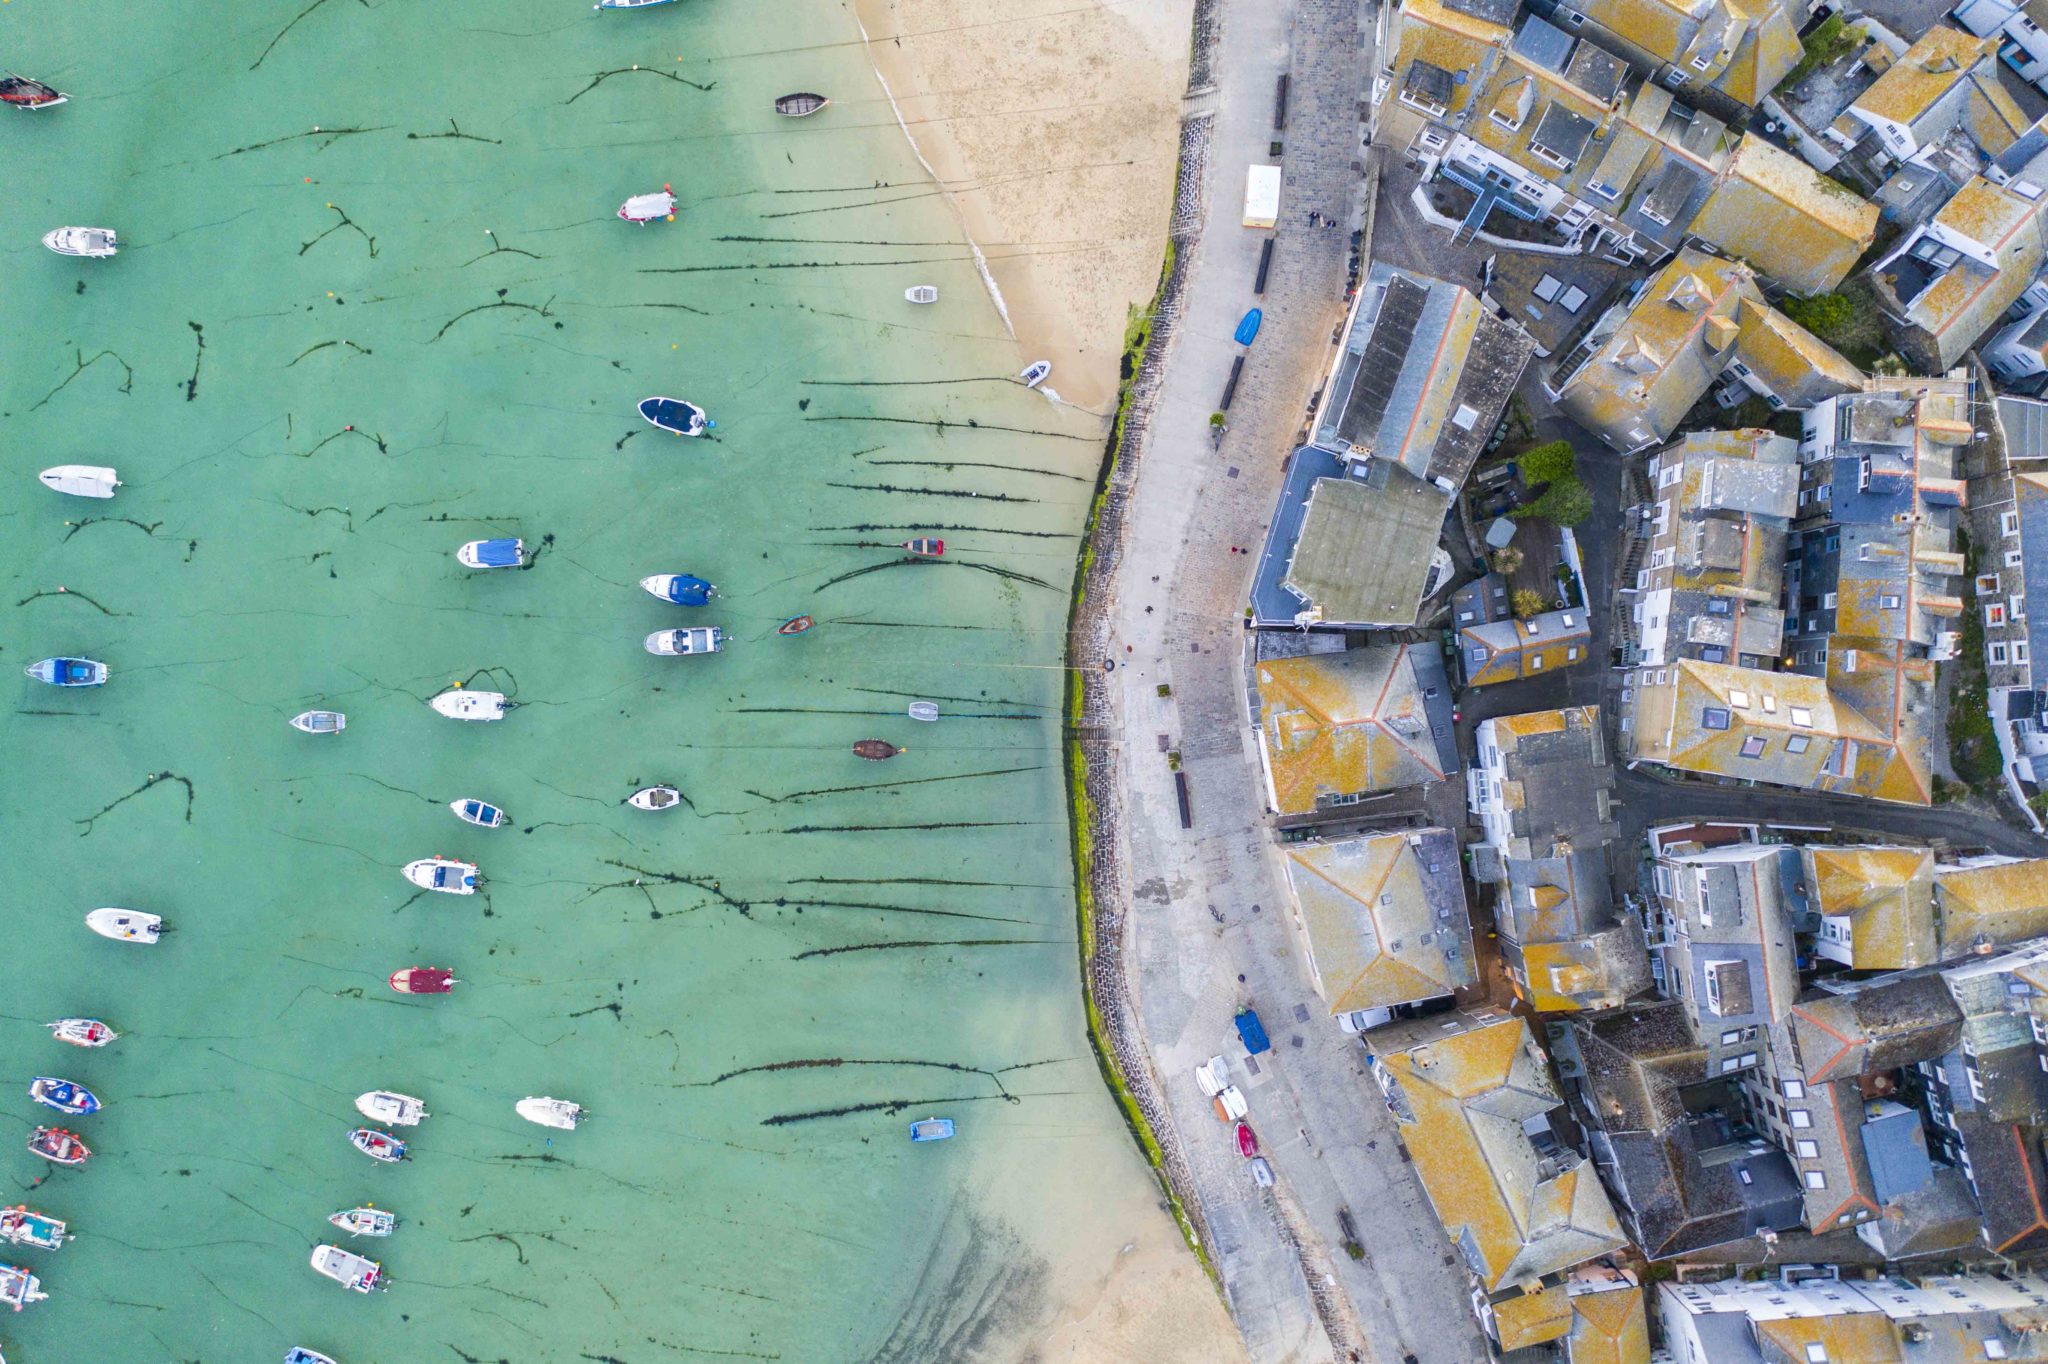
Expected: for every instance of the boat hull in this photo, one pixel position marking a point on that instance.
(655, 798)
(364, 1221)
(462, 704)
(931, 1129)
(320, 722)
(646, 208)
(492, 554)
(64, 1096)
(679, 589)
(398, 1110)
(477, 812)
(926, 711)
(875, 750)
(795, 625)
(698, 639)
(922, 293)
(20, 1227)
(800, 105)
(677, 416)
(68, 672)
(443, 874)
(125, 925)
(423, 980)
(58, 1146)
(1036, 373)
(82, 1032)
(381, 1147)
(81, 480)
(356, 1272)
(19, 1288)
(556, 1113)
(91, 242)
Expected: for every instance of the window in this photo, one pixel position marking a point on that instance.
(1798, 743)
(1799, 1118)
(1738, 698)
(1816, 1353)
(1994, 614)
(1713, 717)
(1753, 746)
(1571, 655)
(1994, 1349)
(1731, 1036)
(1420, 100)
(1744, 1175)
(1997, 653)
(1667, 477)
(1806, 1148)
(1794, 1089)
(1536, 660)
(1828, 601)
(2008, 523)
(1889, 601)
(2019, 651)
(1770, 705)
(1834, 542)
(1815, 1179)
(1749, 1058)
(2014, 559)
(1802, 717)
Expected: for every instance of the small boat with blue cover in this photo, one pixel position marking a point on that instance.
(506, 553)
(698, 639)
(673, 414)
(477, 812)
(68, 672)
(931, 1129)
(66, 1096)
(679, 588)
(444, 874)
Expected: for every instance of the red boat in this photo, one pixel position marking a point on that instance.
(423, 980)
(875, 750)
(795, 625)
(1247, 1141)
(924, 547)
(56, 1144)
(19, 92)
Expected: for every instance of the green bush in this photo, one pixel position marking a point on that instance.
(1527, 603)
(1823, 45)
(1566, 502)
(1547, 463)
(1828, 316)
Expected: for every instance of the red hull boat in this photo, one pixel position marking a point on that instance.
(1247, 1141)
(423, 980)
(59, 1146)
(19, 92)
(924, 547)
(795, 625)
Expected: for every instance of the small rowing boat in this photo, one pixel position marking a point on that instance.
(697, 639)
(680, 588)
(1247, 1141)
(795, 625)
(923, 547)
(66, 1096)
(396, 1110)
(444, 874)
(367, 1220)
(68, 672)
(477, 812)
(922, 293)
(875, 750)
(378, 1146)
(299, 1354)
(81, 480)
(630, 4)
(1036, 373)
(1248, 328)
(20, 92)
(58, 1146)
(126, 925)
(20, 1227)
(424, 980)
(320, 722)
(645, 208)
(800, 105)
(655, 798)
(550, 1112)
(82, 1032)
(93, 242)
(926, 711)
(459, 703)
(931, 1129)
(504, 553)
(673, 414)
(348, 1269)
(19, 1288)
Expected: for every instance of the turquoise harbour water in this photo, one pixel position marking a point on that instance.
(321, 362)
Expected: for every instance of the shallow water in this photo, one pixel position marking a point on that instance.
(322, 361)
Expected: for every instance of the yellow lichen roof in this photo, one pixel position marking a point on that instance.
(1656, 26)
(1535, 722)
(1992, 116)
(1790, 221)
(1887, 894)
(1568, 976)
(1608, 1328)
(1527, 1319)
(1369, 909)
(1929, 70)
(1861, 1337)
(1340, 724)
(1764, 58)
(1438, 15)
(1789, 358)
(2003, 903)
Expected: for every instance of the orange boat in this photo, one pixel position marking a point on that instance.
(423, 980)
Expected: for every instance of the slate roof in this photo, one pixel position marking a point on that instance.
(1362, 556)
(1556, 778)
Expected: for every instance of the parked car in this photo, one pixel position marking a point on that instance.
(1359, 1020)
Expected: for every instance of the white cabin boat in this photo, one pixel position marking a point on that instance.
(460, 703)
(696, 639)
(364, 1221)
(444, 874)
(81, 480)
(550, 1112)
(350, 1270)
(398, 1110)
(125, 925)
(19, 1288)
(83, 241)
(655, 798)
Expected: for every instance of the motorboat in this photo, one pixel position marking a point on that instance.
(365, 1221)
(66, 1096)
(679, 588)
(95, 242)
(444, 874)
(299, 1354)
(378, 1146)
(68, 672)
(550, 1112)
(126, 925)
(20, 92)
(477, 812)
(875, 750)
(931, 1129)
(348, 1269)
(1036, 373)
(19, 1288)
(800, 105)
(1247, 1140)
(927, 711)
(698, 639)
(655, 798)
(22, 1227)
(924, 547)
(81, 480)
(673, 414)
(645, 208)
(630, 4)
(795, 625)
(82, 1032)
(460, 703)
(58, 1146)
(492, 554)
(423, 980)
(922, 293)
(394, 1110)
(320, 722)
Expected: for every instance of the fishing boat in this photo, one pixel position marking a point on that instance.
(66, 1096)
(922, 293)
(19, 92)
(126, 925)
(1247, 1141)
(444, 874)
(931, 1129)
(299, 1354)
(492, 554)
(68, 672)
(58, 1146)
(81, 480)
(477, 812)
(927, 711)
(459, 703)
(673, 414)
(876, 750)
(1036, 373)
(19, 1288)
(365, 1221)
(923, 547)
(550, 1112)
(679, 588)
(95, 242)
(378, 1146)
(82, 1032)
(348, 1269)
(320, 722)
(697, 639)
(795, 625)
(645, 208)
(395, 1110)
(655, 798)
(19, 1226)
(800, 105)
(424, 980)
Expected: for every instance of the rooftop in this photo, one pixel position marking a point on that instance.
(1352, 723)
(1384, 916)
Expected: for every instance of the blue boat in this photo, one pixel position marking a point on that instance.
(931, 1129)
(680, 588)
(68, 672)
(1252, 1033)
(1248, 329)
(673, 414)
(477, 812)
(492, 554)
(63, 1095)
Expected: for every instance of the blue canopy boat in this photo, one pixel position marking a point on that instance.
(68, 672)
(492, 554)
(477, 812)
(673, 414)
(63, 1095)
(680, 588)
(931, 1129)
(1248, 329)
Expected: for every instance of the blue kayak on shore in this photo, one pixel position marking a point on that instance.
(1248, 329)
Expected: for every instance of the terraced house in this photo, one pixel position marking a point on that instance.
(1383, 918)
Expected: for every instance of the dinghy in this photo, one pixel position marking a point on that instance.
(444, 874)
(673, 414)
(795, 625)
(698, 639)
(395, 1110)
(1036, 373)
(82, 1032)
(19, 1288)
(81, 480)
(923, 547)
(922, 293)
(19, 1226)
(68, 672)
(459, 703)
(492, 554)
(645, 208)
(125, 925)
(875, 750)
(95, 242)
(800, 105)
(550, 1112)
(931, 1129)
(1248, 328)
(1247, 1141)
(680, 588)
(19, 92)
(655, 798)
(364, 1221)
(926, 711)
(58, 1146)
(423, 980)
(299, 1354)
(378, 1146)
(320, 722)
(477, 813)
(630, 4)
(348, 1269)
(66, 1096)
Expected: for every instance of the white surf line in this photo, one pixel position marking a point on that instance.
(980, 261)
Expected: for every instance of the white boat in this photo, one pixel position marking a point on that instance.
(347, 1268)
(697, 639)
(645, 208)
(125, 925)
(444, 874)
(550, 1112)
(82, 241)
(922, 293)
(399, 1110)
(1213, 1076)
(82, 1032)
(480, 813)
(460, 703)
(299, 1354)
(320, 722)
(502, 553)
(926, 711)
(630, 4)
(19, 1288)
(655, 798)
(364, 1221)
(1036, 373)
(81, 480)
